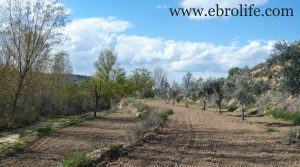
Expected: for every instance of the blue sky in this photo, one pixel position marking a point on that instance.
(180, 44)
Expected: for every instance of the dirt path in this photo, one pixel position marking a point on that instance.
(204, 138)
(82, 138)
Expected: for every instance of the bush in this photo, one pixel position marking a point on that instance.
(271, 129)
(43, 131)
(140, 106)
(286, 116)
(232, 108)
(152, 119)
(293, 136)
(75, 160)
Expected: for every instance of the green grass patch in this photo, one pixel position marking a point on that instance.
(13, 147)
(286, 116)
(232, 108)
(114, 146)
(271, 129)
(43, 131)
(215, 106)
(127, 101)
(140, 106)
(103, 114)
(75, 160)
(152, 119)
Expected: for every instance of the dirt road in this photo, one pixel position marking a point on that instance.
(82, 138)
(204, 138)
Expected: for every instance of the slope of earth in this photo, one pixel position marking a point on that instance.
(193, 137)
(83, 138)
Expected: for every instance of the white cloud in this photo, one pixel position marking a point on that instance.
(206, 4)
(89, 36)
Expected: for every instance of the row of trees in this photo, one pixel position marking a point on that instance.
(240, 86)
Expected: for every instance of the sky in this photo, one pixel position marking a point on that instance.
(144, 34)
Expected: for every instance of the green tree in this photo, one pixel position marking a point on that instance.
(287, 56)
(28, 32)
(143, 82)
(218, 86)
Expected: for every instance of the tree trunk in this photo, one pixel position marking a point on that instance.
(186, 105)
(173, 102)
(204, 105)
(16, 99)
(220, 110)
(96, 106)
(243, 110)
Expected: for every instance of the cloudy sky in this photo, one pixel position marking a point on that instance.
(144, 34)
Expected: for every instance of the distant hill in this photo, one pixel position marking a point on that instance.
(78, 78)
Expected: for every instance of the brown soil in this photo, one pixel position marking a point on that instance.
(82, 138)
(193, 137)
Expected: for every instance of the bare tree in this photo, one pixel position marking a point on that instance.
(28, 31)
(187, 78)
(159, 76)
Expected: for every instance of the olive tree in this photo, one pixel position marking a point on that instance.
(206, 91)
(187, 80)
(219, 89)
(287, 56)
(244, 91)
(175, 92)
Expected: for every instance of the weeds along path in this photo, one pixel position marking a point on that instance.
(192, 137)
(82, 138)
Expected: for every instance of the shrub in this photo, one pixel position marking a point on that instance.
(75, 160)
(286, 116)
(232, 108)
(271, 129)
(13, 147)
(292, 136)
(152, 119)
(43, 131)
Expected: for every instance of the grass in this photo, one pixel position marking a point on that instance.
(286, 116)
(140, 106)
(114, 146)
(127, 101)
(271, 129)
(152, 119)
(232, 108)
(75, 160)
(43, 129)
(13, 147)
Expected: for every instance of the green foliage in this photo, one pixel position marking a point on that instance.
(114, 147)
(271, 129)
(287, 56)
(13, 147)
(75, 160)
(286, 116)
(232, 108)
(43, 131)
(140, 106)
(234, 71)
(153, 119)
(143, 82)
(127, 101)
